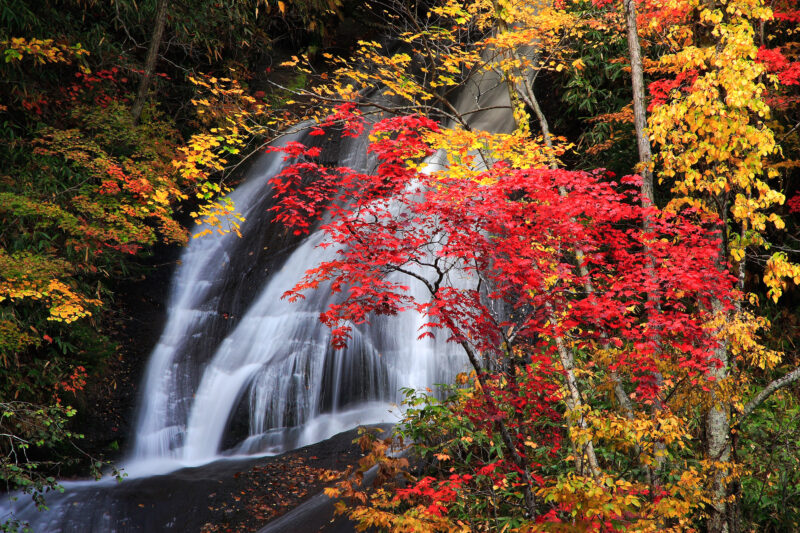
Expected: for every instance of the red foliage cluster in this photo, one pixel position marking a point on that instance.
(602, 3)
(532, 420)
(438, 493)
(794, 204)
(73, 384)
(33, 103)
(788, 72)
(508, 234)
(786, 11)
(102, 87)
(660, 15)
(347, 116)
(509, 237)
(661, 90)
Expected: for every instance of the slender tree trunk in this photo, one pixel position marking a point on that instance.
(718, 424)
(639, 101)
(646, 172)
(150, 63)
(767, 391)
(575, 403)
(525, 91)
(718, 450)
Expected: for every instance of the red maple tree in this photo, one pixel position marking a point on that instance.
(529, 269)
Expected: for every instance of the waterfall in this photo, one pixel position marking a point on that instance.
(237, 371)
(251, 373)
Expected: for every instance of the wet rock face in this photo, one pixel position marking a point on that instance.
(105, 411)
(229, 495)
(238, 428)
(239, 370)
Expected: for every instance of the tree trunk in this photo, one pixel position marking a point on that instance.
(718, 450)
(718, 426)
(646, 162)
(639, 101)
(586, 458)
(150, 62)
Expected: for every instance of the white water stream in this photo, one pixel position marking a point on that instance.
(277, 363)
(238, 371)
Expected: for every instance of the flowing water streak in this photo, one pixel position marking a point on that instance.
(238, 371)
(203, 263)
(193, 321)
(276, 365)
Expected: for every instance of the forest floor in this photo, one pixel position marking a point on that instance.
(228, 495)
(249, 499)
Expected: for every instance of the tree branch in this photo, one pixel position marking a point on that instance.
(779, 383)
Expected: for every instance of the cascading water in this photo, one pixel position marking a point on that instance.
(276, 364)
(238, 371)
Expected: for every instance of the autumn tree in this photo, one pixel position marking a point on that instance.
(715, 145)
(713, 81)
(512, 234)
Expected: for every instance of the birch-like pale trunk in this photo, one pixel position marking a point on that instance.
(639, 103)
(718, 434)
(646, 171)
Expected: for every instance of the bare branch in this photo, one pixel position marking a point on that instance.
(759, 398)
